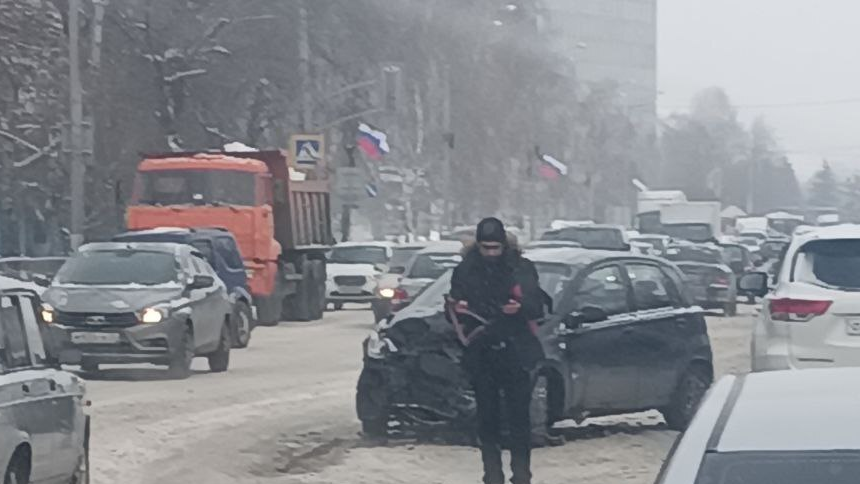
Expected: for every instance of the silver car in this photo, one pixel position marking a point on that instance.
(44, 433)
(127, 303)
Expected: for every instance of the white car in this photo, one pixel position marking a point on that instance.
(812, 317)
(44, 432)
(353, 271)
(785, 427)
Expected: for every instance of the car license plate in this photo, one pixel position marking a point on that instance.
(852, 326)
(95, 338)
(350, 290)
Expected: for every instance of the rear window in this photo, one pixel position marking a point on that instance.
(829, 263)
(829, 467)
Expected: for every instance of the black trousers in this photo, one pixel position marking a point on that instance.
(497, 375)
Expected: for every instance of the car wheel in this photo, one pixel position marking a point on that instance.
(18, 471)
(82, 473)
(338, 306)
(219, 359)
(183, 355)
(730, 309)
(686, 398)
(371, 405)
(242, 325)
(539, 413)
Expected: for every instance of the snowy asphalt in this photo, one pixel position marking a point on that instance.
(284, 414)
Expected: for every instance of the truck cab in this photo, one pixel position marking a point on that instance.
(282, 226)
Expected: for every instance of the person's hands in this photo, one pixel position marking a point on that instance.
(512, 307)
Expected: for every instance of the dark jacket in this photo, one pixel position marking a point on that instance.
(489, 286)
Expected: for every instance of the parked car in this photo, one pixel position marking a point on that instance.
(709, 280)
(39, 270)
(220, 249)
(354, 269)
(44, 432)
(622, 337)
(593, 236)
(425, 267)
(124, 303)
(811, 319)
(761, 428)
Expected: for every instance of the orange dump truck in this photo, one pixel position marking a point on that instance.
(283, 226)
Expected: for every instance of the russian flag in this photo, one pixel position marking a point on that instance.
(551, 169)
(373, 142)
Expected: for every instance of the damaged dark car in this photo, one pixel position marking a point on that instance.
(622, 337)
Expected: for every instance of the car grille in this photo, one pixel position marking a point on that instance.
(96, 320)
(350, 280)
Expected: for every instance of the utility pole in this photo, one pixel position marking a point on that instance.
(78, 170)
(447, 168)
(305, 68)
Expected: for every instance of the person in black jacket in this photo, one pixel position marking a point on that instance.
(494, 297)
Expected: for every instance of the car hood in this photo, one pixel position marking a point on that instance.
(113, 299)
(351, 270)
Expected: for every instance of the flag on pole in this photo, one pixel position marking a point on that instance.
(550, 168)
(373, 142)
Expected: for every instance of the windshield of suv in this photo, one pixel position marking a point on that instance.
(691, 232)
(119, 267)
(826, 467)
(829, 263)
(358, 254)
(604, 238)
(196, 187)
(431, 266)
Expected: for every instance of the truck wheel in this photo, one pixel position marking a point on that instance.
(301, 303)
(242, 325)
(219, 360)
(269, 310)
(319, 299)
(183, 355)
(730, 309)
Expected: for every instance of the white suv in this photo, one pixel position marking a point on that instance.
(812, 317)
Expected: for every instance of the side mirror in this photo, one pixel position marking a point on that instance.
(381, 267)
(201, 282)
(754, 283)
(41, 280)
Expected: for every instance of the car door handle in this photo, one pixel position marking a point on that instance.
(26, 388)
(52, 385)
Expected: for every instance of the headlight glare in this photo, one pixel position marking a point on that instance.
(151, 316)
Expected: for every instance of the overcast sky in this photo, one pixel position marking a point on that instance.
(771, 52)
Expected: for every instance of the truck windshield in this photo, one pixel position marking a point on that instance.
(366, 254)
(196, 187)
(601, 238)
(691, 232)
(119, 267)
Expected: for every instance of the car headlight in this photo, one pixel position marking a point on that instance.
(47, 313)
(387, 292)
(152, 315)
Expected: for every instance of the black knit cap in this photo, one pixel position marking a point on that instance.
(491, 229)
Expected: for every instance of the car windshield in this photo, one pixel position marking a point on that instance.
(431, 266)
(119, 267)
(829, 263)
(704, 255)
(401, 256)
(590, 237)
(691, 232)
(358, 254)
(196, 187)
(826, 467)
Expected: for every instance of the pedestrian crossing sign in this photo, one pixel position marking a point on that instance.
(307, 151)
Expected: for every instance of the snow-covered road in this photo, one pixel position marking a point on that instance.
(284, 414)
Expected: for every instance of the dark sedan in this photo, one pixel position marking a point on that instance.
(623, 337)
(710, 281)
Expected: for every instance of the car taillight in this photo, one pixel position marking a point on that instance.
(721, 280)
(400, 299)
(797, 310)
